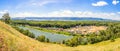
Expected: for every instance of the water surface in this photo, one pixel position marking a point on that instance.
(51, 36)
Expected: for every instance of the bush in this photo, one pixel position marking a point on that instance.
(112, 40)
(47, 40)
(41, 38)
(25, 32)
(28, 33)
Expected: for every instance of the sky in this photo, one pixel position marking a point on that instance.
(107, 9)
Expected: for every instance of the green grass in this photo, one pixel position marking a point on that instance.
(12, 40)
(52, 31)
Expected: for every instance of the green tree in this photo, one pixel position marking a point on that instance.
(47, 40)
(41, 38)
(27, 33)
(31, 35)
(63, 42)
(6, 18)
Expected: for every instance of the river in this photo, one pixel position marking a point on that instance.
(51, 36)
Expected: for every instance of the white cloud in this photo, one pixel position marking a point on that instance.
(4, 11)
(115, 2)
(100, 3)
(69, 13)
(61, 13)
(25, 14)
(39, 3)
(44, 2)
(118, 12)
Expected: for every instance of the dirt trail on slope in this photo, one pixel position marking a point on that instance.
(3, 46)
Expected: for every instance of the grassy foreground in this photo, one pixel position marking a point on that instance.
(12, 40)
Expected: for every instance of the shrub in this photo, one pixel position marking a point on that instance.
(41, 38)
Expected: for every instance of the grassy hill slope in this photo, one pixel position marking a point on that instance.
(12, 40)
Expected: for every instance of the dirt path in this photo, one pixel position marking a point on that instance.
(3, 46)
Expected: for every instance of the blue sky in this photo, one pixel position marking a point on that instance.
(109, 9)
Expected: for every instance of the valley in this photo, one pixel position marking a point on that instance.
(71, 33)
(14, 40)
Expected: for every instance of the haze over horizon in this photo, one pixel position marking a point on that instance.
(107, 9)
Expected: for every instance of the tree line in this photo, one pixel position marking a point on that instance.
(40, 38)
(60, 24)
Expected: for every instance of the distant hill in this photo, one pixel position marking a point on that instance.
(58, 18)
